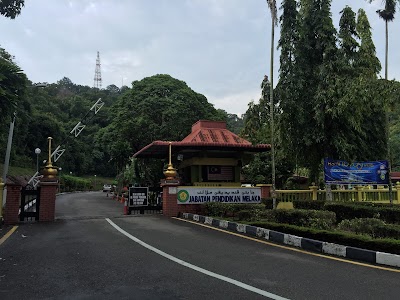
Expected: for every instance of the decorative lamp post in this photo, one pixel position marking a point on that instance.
(37, 152)
(170, 172)
(49, 171)
(1, 199)
(59, 179)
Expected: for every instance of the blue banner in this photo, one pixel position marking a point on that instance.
(366, 172)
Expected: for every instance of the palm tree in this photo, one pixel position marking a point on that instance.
(387, 14)
(274, 19)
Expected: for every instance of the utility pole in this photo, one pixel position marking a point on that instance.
(8, 150)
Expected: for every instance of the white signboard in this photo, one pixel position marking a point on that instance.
(199, 195)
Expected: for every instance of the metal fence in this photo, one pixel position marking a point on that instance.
(358, 193)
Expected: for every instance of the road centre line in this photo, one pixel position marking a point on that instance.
(8, 234)
(290, 248)
(198, 269)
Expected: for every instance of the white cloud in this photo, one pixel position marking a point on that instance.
(219, 47)
(236, 103)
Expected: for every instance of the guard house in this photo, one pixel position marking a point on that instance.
(210, 155)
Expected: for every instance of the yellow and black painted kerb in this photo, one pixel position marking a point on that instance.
(299, 244)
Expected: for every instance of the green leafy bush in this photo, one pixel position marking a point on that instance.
(312, 204)
(72, 183)
(388, 231)
(375, 228)
(361, 225)
(306, 218)
(298, 204)
(348, 211)
(217, 209)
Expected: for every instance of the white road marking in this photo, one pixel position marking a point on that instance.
(198, 269)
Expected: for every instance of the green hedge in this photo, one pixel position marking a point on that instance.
(389, 214)
(375, 228)
(218, 209)
(298, 204)
(305, 218)
(351, 210)
(337, 237)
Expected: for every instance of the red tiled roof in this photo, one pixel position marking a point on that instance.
(210, 135)
(214, 132)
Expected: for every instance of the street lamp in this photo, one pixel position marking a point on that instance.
(37, 151)
(59, 179)
(95, 182)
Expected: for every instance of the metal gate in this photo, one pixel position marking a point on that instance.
(30, 204)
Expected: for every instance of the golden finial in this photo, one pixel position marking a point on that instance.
(49, 160)
(170, 173)
(49, 171)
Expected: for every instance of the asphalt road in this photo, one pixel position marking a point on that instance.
(82, 256)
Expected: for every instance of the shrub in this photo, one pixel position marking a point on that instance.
(375, 228)
(218, 209)
(72, 183)
(390, 214)
(361, 225)
(311, 204)
(306, 218)
(388, 231)
(347, 211)
(254, 215)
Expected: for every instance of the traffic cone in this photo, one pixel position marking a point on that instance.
(126, 210)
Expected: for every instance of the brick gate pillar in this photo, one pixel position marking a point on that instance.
(48, 190)
(169, 198)
(12, 204)
(265, 190)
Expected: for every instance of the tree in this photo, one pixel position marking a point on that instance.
(274, 21)
(315, 49)
(348, 40)
(367, 63)
(11, 8)
(156, 108)
(12, 84)
(234, 123)
(387, 14)
(287, 87)
(257, 130)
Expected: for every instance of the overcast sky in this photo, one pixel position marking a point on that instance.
(220, 48)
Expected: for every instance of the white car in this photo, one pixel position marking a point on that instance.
(107, 188)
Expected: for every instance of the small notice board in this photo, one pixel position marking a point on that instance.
(138, 196)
